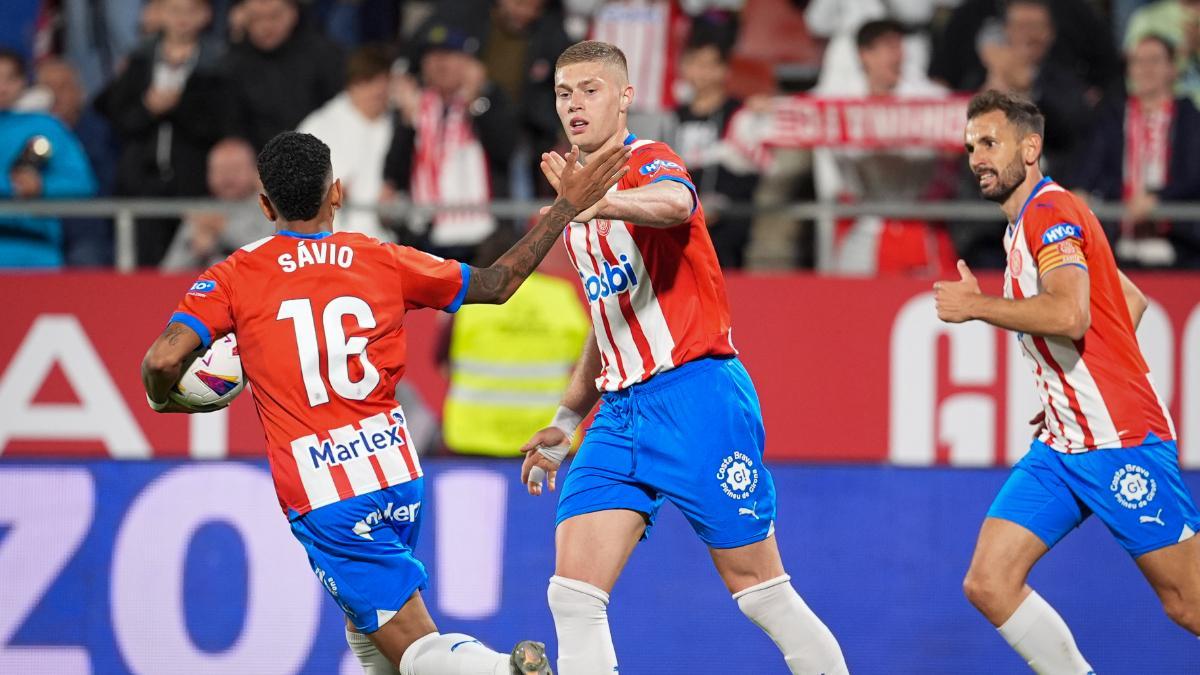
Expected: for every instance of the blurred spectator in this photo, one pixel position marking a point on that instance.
(1017, 60)
(352, 23)
(1142, 152)
(207, 238)
(519, 43)
(1177, 21)
(1081, 46)
(508, 364)
(281, 71)
(452, 143)
(873, 245)
(39, 158)
(99, 36)
(168, 107)
(721, 174)
(357, 127)
(87, 242)
(839, 22)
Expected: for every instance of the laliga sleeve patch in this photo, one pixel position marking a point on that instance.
(651, 168)
(1061, 232)
(202, 287)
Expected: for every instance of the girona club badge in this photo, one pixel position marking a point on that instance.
(603, 226)
(1016, 263)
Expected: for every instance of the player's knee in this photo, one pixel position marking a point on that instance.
(573, 599)
(983, 588)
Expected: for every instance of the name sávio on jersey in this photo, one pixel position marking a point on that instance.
(330, 453)
(316, 253)
(611, 280)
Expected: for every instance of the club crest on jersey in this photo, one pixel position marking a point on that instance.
(1015, 262)
(1061, 231)
(658, 164)
(611, 280)
(738, 476)
(1133, 487)
(603, 226)
(329, 453)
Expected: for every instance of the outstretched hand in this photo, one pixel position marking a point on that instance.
(584, 185)
(955, 299)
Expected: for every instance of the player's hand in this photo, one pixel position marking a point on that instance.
(538, 467)
(955, 300)
(582, 187)
(552, 168)
(1038, 423)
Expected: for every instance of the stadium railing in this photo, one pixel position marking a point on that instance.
(123, 212)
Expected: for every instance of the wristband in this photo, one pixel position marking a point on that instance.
(566, 421)
(155, 405)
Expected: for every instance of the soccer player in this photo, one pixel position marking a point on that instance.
(1107, 443)
(680, 420)
(319, 318)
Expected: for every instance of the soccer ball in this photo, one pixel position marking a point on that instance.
(211, 379)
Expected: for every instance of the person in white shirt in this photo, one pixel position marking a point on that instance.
(357, 127)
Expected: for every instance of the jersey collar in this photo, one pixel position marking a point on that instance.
(300, 235)
(629, 139)
(1046, 180)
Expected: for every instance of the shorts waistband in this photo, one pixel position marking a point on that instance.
(670, 378)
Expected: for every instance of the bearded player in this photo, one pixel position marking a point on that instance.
(1107, 444)
(679, 419)
(319, 318)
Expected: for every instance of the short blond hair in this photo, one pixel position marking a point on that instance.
(594, 51)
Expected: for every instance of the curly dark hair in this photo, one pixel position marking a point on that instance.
(295, 172)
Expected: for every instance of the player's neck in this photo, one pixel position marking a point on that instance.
(305, 226)
(1012, 206)
(614, 140)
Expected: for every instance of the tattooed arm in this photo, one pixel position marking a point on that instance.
(163, 365)
(582, 186)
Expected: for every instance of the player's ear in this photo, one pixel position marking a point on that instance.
(335, 194)
(1031, 148)
(626, 97)
(267, 208)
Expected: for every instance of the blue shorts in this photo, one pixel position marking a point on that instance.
(361, 550)
(692, 436)
(1138, 492)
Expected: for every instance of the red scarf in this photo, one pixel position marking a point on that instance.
(1147, 147)
(449, 167)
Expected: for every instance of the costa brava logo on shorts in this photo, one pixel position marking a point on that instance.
(1133, 487)
(738, 476)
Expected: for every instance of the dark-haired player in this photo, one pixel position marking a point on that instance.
(680, 420)
(1107, 445)
(319, 318)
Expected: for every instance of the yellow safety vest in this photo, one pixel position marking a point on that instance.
(509, 366)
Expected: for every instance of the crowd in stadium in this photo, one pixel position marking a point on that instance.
(453, 102)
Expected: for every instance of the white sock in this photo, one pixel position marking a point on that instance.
(452, 654)
(373, 661)
(580, 612)
(1042, 638)
(808, 646)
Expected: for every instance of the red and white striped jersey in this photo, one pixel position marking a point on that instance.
(657, 296)
(1097, 392)
(320, 329)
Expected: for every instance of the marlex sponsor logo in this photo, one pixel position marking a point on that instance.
(366, 442)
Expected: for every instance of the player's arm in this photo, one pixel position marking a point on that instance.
(1062, 309)
(163, 365)
(582, 187)
(1135, 300)
(546, 450)
(663, 203)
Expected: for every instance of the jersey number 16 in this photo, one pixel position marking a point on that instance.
(338, 348)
